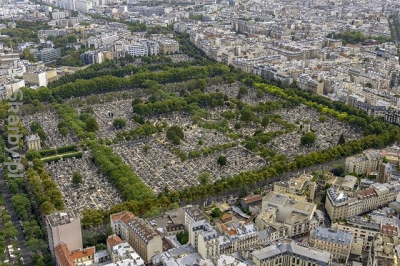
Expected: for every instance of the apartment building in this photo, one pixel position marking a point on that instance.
(119, 223)
(306, 83)
(392, 115)
(8, 59)
(152, 47)
(95, 57)
(289, 254)
(365, 163)
(48, 54)
(123, 254)
(224, 239)
(339, 206)
(336, 242)
(64, 228)
(65, 257)
(144, 239)
(137, 49)
(290, 217)
(193, 214)
(40, 77)
(360, 227)
(12, 85)
(384, 251)
(168, 46)
(43, 34)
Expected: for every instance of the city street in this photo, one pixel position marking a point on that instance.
(26, 254)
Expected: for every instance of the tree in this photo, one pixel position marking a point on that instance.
(242, 91)
(27, 55)
(63, 131)
(221, 160)
(342, 140)
(251, 145)
(182, 237)
(260, 94)
(246, 115)
(322, 118)
(308, 138)
(32, 154)
(91, 125)
(265, 121)
(204, 178)
(175, 134)
(47, 208)
(34, 126)
(119, 123)
(216, 213)
(77, 178)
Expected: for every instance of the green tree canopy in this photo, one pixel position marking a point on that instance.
(32, 154)
(221, 160)
(342, 140)
(204, 178)
(77, 178)
(91, 125)
(308, 138)
(119, 123)
(175, 134)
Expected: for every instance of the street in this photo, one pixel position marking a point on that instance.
(26, 254)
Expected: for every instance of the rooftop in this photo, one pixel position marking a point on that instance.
(333, 236)
(61, 218)
(292, 249)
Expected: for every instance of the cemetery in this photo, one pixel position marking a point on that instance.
(49, 121)
(94, 192)
(161, 164)
(158, 167)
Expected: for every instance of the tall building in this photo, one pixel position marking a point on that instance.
(336, 242)
(144, 239)
(193, 214)
(48, 54)
(365, 163)
(137, 49)
(64, 228)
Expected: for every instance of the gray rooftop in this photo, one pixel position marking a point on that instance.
(333, 236)
(293, 249)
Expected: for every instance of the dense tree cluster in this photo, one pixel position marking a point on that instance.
(354, 37)
(119, 123)
(109, 83)
(175, 134)
(308, 138)
(119, 174)
(71, 121)
(45, 192)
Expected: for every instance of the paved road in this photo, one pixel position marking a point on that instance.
(26, 254)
